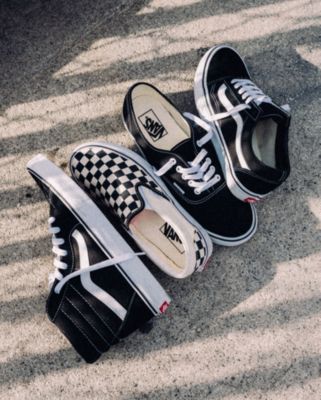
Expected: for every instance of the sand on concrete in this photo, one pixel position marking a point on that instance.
(249, 327)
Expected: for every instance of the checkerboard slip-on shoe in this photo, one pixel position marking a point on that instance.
(180, 147)
(253, 130)
(171, 238)
(101, 290)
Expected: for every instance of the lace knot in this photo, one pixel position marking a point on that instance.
(201, 173)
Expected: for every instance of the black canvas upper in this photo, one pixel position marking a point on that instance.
(216, 209)
(224, 66)
(89, 324)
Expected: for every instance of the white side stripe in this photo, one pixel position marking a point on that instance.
(178, 187)
(239, 124)
(89, 285)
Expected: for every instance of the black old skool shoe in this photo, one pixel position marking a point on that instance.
(101, 291)
(181, 150)
(252, 140)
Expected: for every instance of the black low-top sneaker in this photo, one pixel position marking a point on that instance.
(171, 238)
(253, 130)
(101, 290)
(181, 150)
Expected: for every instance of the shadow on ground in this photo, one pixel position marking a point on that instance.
(55, 33)
(263, 380)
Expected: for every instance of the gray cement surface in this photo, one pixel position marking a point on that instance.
(247, 328)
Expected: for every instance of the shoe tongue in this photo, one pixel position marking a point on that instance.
(185, 149)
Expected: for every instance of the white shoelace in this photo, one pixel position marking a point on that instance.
(201, 173)
(249, 92)
(59, 265)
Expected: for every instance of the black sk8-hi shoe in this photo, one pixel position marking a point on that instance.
(253, 130)
(180, 147)
(171, 238)
(101, 291)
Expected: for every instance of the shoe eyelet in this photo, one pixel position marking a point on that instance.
(190, 183)
(197, 192)
(178, 169)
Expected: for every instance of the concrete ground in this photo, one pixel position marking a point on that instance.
(247, 328)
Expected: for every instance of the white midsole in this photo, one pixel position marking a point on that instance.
(204, 109)
(101, 230)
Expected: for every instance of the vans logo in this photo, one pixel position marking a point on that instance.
(172, 236)
(152, 125)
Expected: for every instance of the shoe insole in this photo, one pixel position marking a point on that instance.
(161, 124)
(264, 140)
(157, 235)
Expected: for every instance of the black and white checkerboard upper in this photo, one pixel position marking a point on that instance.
(200, 252)
(114, 177)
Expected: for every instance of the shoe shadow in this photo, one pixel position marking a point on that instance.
(261, 380)
(288, 227)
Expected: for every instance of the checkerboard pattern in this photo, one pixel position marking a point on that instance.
(200, 251)
(113, 177)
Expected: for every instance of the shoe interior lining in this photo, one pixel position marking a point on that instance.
(157, 236)
(161, 124)
(264, 141)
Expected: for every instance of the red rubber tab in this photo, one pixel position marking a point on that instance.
(164, 307)
(251, 200)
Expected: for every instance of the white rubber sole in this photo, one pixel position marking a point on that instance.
(217, 239)
(203, 105)
(101, 230)
(149, 170)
